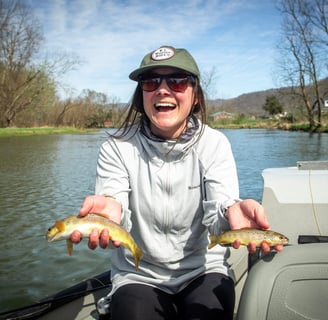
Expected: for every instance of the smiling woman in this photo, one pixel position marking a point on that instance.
(168, 94)
(170, 103)
(172, 181)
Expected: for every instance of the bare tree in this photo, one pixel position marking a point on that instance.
(208, 79)
(26, 82)
(303, 54)
(20, 38)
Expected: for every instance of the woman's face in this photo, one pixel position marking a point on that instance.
(167, 109)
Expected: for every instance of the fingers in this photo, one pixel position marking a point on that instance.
(96, 239)
(93, 239)
(265, 247)
(117, 244)
(251, 247)
(279, 247)
(104, 239)
(76, 237)
(236, 244)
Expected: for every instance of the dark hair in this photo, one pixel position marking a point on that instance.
(136, 109)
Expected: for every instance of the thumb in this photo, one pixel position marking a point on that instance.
(87, 205)
(261, 218)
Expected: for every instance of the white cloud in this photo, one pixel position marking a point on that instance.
(112, 37)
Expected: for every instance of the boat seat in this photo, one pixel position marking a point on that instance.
(296, 201)
(289, 285)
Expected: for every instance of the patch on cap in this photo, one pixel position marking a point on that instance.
(162, 53)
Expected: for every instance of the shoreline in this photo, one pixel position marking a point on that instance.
(34, 131)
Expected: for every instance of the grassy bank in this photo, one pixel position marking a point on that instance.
(242, 123)
(250, 123)
(13, 132)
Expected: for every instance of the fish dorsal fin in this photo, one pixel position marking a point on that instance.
(60, 225)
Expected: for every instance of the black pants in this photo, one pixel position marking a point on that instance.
(210, 296)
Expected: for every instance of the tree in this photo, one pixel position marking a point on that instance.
(25, 82)
(303, 52)
(208, 79)
(20, 38)
(272, 105)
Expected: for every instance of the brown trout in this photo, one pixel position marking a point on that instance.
(248, 235)
(63, 229)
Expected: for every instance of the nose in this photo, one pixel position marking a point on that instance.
(163, 88)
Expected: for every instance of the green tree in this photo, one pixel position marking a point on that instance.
(272, 105)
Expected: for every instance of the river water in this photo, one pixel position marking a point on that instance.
(44, 178)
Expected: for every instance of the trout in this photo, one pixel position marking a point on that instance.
(63, 229)
(248, 235)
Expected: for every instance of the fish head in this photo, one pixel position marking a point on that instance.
(54, 233)
(281, 239)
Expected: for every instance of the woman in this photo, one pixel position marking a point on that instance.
(171, 181)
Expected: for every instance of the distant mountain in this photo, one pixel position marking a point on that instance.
(252, 103)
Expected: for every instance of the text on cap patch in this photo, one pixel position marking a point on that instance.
(162, 53)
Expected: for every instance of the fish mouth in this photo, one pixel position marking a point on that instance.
(164, 107)
(51, 237)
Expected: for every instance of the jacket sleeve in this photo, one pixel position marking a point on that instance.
(219, 181)
(112, 178)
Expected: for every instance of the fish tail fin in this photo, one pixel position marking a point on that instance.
(69, 245)
(213, 242)
(137, 254)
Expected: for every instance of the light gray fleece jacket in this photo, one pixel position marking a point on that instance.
(173, 195)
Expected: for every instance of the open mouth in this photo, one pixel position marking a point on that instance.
(163, 107)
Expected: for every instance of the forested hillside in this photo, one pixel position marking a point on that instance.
(252, 103)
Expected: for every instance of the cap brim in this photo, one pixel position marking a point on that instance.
(134, 75)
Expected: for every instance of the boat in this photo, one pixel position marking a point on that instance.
(292, 284)
(80, 301)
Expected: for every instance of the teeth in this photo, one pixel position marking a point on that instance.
(164, 105)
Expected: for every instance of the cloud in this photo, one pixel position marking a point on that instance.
(112, 37)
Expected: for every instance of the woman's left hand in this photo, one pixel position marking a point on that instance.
(249, 214)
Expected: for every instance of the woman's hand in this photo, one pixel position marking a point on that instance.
(106, 207)
(249, 214)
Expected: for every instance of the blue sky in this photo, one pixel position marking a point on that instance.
(236, 37)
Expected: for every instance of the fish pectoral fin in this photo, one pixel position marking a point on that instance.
(69, 245)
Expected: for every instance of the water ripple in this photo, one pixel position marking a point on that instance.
(46, 178)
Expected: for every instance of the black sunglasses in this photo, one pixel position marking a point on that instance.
(176, 82)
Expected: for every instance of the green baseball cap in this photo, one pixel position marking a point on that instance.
(167, 56)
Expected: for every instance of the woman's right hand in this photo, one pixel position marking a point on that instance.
(105, 207)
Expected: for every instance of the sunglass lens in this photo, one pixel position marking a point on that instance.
(150, 84)
(177, 84)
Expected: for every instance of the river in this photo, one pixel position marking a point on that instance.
(43, 178)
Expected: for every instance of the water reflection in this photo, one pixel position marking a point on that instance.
(44, 178)
(256, 150)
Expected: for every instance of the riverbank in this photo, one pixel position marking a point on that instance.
(242, 123)
(14, 132)
(278, 124)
